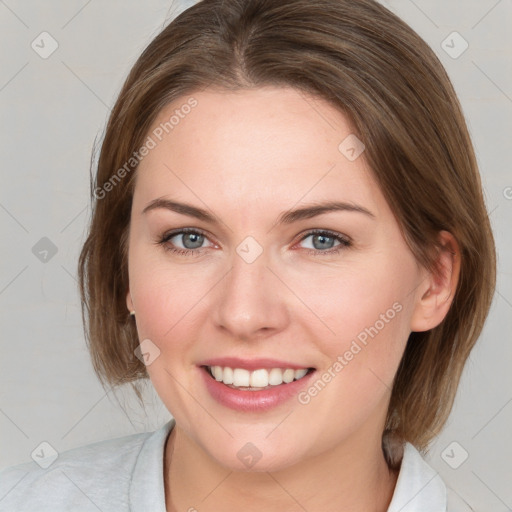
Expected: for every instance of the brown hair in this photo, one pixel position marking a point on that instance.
(373, 67)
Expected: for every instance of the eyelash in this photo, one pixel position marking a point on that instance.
(345, 242)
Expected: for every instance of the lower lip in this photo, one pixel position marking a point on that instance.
(253, 401)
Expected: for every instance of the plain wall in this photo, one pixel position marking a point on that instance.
(53, 108)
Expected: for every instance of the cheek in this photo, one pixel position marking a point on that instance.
(170, 312)
(168, 304)
(351, 300)
(166, 295)
(367, 311)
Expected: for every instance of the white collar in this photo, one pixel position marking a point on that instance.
(418, 489)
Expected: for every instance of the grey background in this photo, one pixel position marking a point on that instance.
(51, 111)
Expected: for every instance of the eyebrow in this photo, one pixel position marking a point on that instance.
(288, 217)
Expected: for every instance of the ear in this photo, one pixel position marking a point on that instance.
(436, 291)
(129, 303)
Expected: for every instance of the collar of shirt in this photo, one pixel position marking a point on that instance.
(419, 488)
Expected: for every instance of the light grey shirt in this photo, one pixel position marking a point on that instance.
(126, 474)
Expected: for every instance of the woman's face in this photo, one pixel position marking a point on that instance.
(256, 289)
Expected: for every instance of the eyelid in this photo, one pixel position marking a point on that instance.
(178, 231)
(171, 234)
(316, 231)
(333, 234)
(345, 241)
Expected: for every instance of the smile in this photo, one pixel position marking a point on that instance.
(257, 380)
(253, 386)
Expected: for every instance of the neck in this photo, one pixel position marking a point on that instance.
(352, 477)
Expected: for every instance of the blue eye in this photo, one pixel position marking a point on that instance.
(322, 242)
(191, 239)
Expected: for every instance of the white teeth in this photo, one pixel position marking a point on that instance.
(217, 372)
(275, 377)
(300, 373)
(288, 375)
(257, 379)
(241, 377)
(227, 376)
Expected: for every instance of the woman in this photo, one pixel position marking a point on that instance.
(289, 239)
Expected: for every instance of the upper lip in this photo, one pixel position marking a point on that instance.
(252, 364)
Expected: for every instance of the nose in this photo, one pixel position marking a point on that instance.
(251, 302)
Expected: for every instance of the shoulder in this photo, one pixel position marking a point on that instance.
(91, 477)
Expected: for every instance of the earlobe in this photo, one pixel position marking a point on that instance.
(129, 302)
(438, 289)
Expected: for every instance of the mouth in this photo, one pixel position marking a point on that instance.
(260, 379)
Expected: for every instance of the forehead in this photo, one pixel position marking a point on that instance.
(254, 148)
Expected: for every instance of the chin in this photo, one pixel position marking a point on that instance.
(250, 459)
(240, 454)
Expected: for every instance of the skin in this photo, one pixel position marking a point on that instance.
(247, 157)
